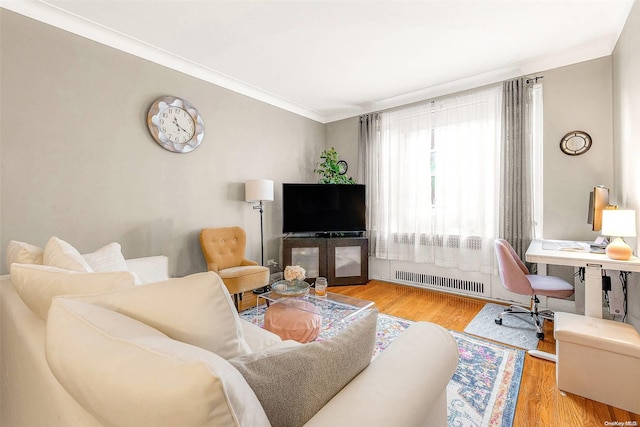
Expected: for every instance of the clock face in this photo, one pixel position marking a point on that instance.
(342, 167)
(175, 124)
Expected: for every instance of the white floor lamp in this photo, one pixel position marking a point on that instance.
(259, 190)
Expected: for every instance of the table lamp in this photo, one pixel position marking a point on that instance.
(618, 224)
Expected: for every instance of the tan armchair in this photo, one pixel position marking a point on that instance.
(223, 249)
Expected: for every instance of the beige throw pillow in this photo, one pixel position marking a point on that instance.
(293, 384)
(126, 373)
(195, 309)
(58, 253)
(23, 253)
(38, 284)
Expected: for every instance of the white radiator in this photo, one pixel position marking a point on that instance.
(431, 276)
(447, 283)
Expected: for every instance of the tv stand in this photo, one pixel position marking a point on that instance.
(339, 235)
(342, 260)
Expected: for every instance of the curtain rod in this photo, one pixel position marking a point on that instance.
(534, 79)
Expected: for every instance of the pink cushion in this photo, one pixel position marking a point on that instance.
(294, 320)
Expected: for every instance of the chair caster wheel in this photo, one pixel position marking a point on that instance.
(498, 321)
(540, 335)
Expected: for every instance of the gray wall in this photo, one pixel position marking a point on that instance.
(77, 160)
(576, 97)
(626, 149)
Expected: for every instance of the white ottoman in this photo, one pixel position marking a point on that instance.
(598, 359)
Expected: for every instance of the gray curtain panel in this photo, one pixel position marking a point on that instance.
(516, 218)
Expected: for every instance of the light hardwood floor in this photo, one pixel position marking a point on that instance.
(539, 401)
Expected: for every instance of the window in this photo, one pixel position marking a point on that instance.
(433, 178)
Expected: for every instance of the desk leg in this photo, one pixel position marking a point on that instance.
(542, 269)
(593, 291)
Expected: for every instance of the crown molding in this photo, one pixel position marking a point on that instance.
(595, 50)
(75, 24)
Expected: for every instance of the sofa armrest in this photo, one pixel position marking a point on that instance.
(260, 339)
(405, 385)
(149, 269)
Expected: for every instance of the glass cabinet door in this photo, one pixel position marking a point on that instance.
(307, 258)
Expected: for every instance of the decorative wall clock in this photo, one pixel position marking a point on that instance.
(175, 124)
(575, 143)
(342, 167)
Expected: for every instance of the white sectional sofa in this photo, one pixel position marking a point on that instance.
(174, 352)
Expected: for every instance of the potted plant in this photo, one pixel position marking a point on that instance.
(332, 170)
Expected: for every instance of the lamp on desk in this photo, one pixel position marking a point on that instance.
(619, 224)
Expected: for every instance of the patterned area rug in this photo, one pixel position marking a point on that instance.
(484, 388)
(516, 330)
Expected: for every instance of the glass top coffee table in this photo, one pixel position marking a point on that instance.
(332, 307)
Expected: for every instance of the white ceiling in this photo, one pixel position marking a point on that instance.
(329, 60)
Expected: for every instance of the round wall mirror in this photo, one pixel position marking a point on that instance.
(575, 143)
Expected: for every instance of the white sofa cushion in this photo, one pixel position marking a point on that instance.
(58, 253)
(195, 309)
(128, 374)
(23, 253)
(107, 258)
(149, 269)
(293, 384)
(38, 284)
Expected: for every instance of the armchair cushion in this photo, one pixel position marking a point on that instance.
(195, 309)
(37, 285)
(294, 383)
(243, 279)
(127, 373)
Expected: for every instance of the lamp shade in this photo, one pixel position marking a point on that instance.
(618, 223)
(256, 190)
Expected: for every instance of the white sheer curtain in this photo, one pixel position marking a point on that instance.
(433, 178)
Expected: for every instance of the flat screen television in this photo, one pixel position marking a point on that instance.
(323, 208)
